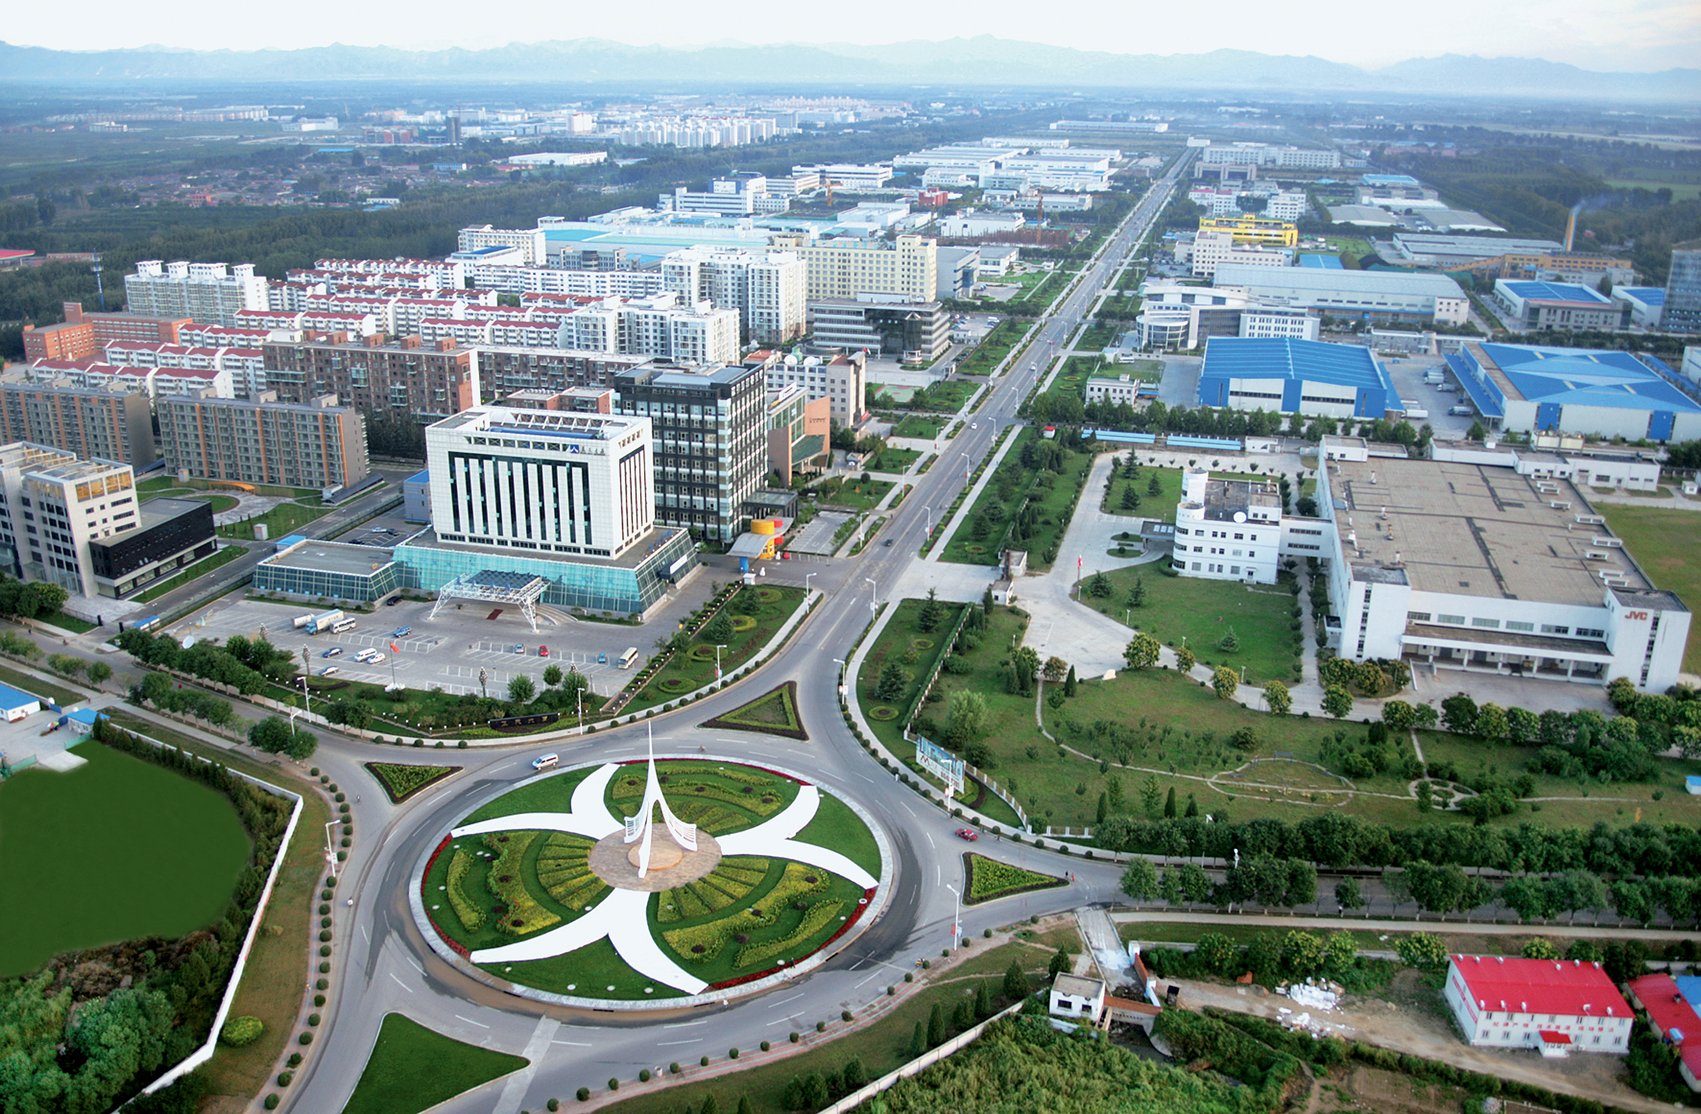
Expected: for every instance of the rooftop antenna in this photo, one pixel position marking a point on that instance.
(99, 289)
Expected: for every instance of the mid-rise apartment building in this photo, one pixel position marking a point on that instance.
(83, 335)
(503, 371)
(917, 332)
(906, 266)
(709, 430)
(842, 378)
(263, 441)
(211, 293)
(112, 424)
(529, 241)
(541, 481)
(1682, 310)
(403, 378)
(766, 288)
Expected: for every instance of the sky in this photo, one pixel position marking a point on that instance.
(1616, 35)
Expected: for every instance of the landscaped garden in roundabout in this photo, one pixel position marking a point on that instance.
(543, 889)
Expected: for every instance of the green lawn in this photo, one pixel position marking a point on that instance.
(1664, 543)
(915, 650)
(976, 541)
(836, 826)
(281, 521)
(1202, 611)
(413, 1068)
(200, 568)
(160, 859)
(895, 460)
(848, 491)
(918, 425)
(66, 622)
(1680, 191)
(946, 396)
(993, 348)
(695, 668)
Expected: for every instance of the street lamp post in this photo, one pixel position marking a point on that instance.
(330, 852)
(928, 511)
(956, 917)
(965, 457)
(718, 650)
(843, 666)
(306, 671)
(806, 577)
(873, 591)
(580, 694)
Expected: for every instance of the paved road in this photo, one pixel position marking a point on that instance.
(383, 965)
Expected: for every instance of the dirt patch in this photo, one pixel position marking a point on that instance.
(1359, 1087)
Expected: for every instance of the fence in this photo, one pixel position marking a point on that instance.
(926, 1060)
(939, 663)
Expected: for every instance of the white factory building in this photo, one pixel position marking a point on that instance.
(1366, 295)
(1552, 1006)
(1449, 565)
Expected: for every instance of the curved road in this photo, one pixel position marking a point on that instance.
(382, 964)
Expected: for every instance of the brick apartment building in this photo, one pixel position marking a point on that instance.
(83, 336)
(402, 378)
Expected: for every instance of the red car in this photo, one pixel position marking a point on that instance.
(543, 651)
(968, 833)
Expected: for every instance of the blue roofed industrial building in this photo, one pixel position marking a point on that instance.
(1529, 304)
(1307, 377)
(1645, 304)
(1520, 387)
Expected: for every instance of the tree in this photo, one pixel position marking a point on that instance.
(852, 1078)
(1277, 698)
(1337, 701)
(936, 1025)
(1398, 715)
(1069, 684)
(966, 720)
(1016, 985)
(1225, 681)
(1142, 652)
(718, 631)
(1137, 594)
(1060, 964)
(274, 734)
(1169, 804)
(1303, 952)
(893, 681)
(1055, 668)
(1185, 659)
(1229, 643)
(1099, 586)
(1340, 952)
(1216, 953)
(1347, 895)
(1476, 432)
(1140, 880)
(931, 610)
(1459, 714)
(521, 689)
(918, 1044)
(983, 999)
(1421, 949)
(552, 675)
(1154, 486)
(1539, 948)
(1130, 498)
(99, 672)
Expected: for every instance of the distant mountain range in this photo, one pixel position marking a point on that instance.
(981, 61)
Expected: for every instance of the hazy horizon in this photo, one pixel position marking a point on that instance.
(1641, 36)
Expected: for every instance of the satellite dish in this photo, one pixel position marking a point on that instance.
(1240, 516)
(188, 642)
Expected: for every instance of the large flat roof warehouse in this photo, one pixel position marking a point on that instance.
(1461, 248)
(1556, 292)
(1359, 283)
(1346, 365)
(1474, 530)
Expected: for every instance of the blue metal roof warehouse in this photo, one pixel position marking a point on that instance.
(1304, 376)
(1576, 390)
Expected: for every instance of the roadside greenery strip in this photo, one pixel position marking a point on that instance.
(957, 503)
(401, 781)
(988, 879)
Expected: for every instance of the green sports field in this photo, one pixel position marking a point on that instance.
(112, 850)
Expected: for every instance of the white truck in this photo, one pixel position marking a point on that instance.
(302, 621)
(318, 624)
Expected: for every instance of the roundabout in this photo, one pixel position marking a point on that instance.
(567, 888)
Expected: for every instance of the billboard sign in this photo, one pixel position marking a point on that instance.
(941, 763)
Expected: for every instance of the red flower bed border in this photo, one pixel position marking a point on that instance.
(454, 946)
(856, 915)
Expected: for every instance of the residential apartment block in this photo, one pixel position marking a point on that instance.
(917, 332)
(906, 266)
(315, 444)
(529, 241)
(766, 288)
(211, 293)
(83, 336)
(112, 424)
(842, 379)
(404, 378)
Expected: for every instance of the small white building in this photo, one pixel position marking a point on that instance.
(1122, 388)
(1228, 529)
(1553, 1006)
(1076, 997)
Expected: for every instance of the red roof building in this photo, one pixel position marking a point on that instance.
(1510, 1002)
(1675, 1016)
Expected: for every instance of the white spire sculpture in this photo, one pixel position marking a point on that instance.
(642, 826)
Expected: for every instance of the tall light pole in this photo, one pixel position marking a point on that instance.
(873, 590)
(330, 852)
(306, 672)
(718, 650)
(580, 694)
(928, 511)
(965, 457)
(806, 577)
(956, 917)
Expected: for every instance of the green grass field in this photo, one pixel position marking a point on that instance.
(1680, 191)
(695, 668)
(200, 568)
(45, 689)
(281, 521)
(413, 1068)
(993, 348)
(1053, 495)
(1202, 611)
(918, 425)
(896, 460)
(1664, 543)
(160, 859)
(848, 491)
(900, 637)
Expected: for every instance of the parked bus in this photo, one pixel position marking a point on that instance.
(342, 625)
(629, 658)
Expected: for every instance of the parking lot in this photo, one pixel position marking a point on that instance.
(1408, 374)
(448, 652)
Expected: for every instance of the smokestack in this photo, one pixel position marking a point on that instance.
(1571, 226)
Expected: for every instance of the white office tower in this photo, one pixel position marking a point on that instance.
(211, 293)
(541, 481)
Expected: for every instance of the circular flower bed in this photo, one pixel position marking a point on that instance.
(974, 547)
(743, 622)
(922, 643)
(768, 595)
(883, 712)
(702, 652)
(673, 684)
